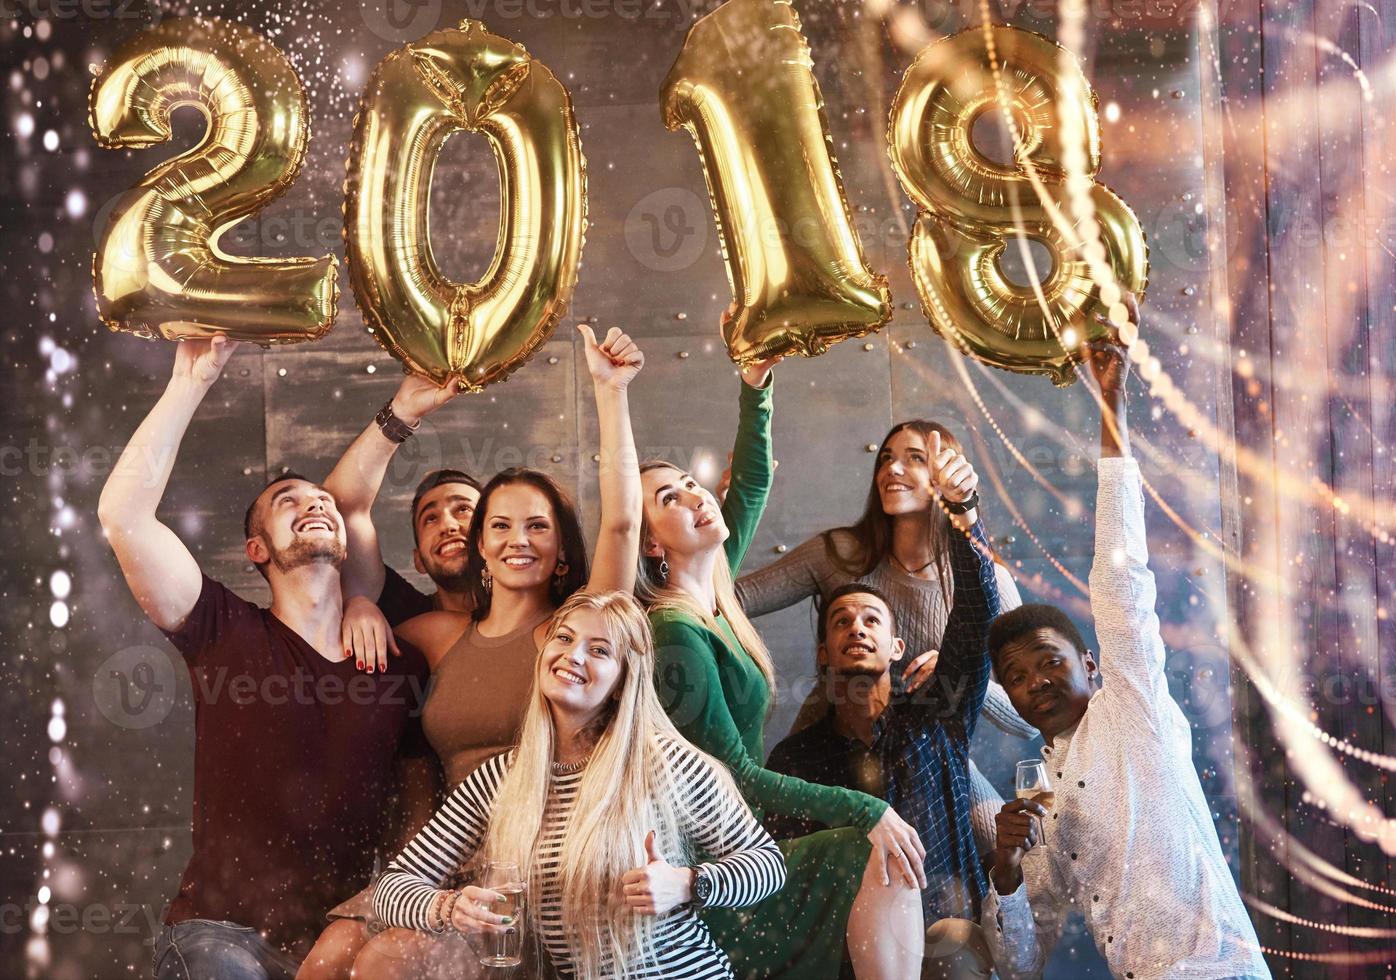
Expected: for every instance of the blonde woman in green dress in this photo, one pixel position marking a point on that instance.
(857, 885)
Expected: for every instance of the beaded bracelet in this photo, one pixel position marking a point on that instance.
(435, 909)
(449, 908)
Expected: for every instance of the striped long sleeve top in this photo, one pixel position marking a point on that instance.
(743, 862)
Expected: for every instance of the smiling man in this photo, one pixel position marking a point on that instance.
(295, 753)
(1129, 841)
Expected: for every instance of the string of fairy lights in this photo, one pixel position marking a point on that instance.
(1310, 747)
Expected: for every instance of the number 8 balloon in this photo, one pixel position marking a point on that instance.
(973, 207)
(464, 79)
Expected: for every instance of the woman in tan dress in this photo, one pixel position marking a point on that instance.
(527, 555)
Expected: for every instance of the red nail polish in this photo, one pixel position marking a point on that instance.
(360, 664)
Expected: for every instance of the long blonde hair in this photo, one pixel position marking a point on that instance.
(627, 789)
(653, 589)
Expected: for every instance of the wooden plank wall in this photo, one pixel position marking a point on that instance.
(1309, 313)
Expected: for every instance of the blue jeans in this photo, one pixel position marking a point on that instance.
(202, 949)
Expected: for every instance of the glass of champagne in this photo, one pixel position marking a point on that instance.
(503, 878)
(1031, 783)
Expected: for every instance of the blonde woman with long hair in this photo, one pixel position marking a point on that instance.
(855, 887)
(620, 827)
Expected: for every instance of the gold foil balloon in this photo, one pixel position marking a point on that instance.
(743, 86)
(973, 207)
(158, 269)
(464, 79)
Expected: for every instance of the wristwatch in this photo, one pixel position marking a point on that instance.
(964, 506)
(393, 428)
(702, 886)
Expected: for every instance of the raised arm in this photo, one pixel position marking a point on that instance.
(752, 464)
(962, 672)
(613, 364)
(160, 571)
(1123, 593)
(1109, 367)
(357, 477)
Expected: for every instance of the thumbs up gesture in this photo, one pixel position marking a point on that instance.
(613, 362)
(658, 887)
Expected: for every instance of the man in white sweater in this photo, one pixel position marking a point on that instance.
(1128, 841)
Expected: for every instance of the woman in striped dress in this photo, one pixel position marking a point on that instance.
(622, 830)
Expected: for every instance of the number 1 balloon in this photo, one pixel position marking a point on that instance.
(158, 269)
(743, 85)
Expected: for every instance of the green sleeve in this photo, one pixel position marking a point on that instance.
(688, 684)
(751, 473)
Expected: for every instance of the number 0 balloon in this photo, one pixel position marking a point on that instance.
(158, 269)
(464, 79)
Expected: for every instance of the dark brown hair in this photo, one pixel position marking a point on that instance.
(821, 632)
(434, 479)
(569, 528)
(872, 533)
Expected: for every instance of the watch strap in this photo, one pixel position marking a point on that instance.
(964, 506)
(702, 886)
(393, 428)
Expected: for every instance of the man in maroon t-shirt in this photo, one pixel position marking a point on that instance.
(295, 751)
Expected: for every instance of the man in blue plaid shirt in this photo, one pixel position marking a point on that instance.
(911, 750)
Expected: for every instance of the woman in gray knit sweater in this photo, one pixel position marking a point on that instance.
(901, 546)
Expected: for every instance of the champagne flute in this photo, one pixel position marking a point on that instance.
(1031, 783)
(503, 877)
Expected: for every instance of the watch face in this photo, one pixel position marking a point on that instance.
(702, 887)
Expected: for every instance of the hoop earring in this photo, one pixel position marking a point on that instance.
(664, 570)
(487, 580)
